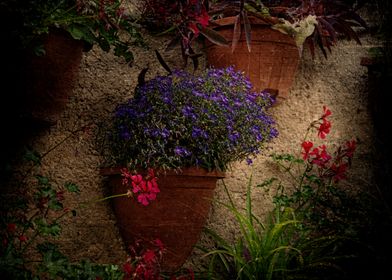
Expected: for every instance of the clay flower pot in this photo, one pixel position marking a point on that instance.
(272, 63)
(176, 217)
(50, 78)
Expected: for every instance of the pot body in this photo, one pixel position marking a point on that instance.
(50, 78)
(177, 216)
(270, 65)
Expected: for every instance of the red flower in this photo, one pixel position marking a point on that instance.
(22, 238)
(306, 145)
(11, 227)
(158, 243)
(320, 156)
(192, 26)
(149, 256)
(350, 148)
(146, 188)
(203, 19)
(339, 171)
(127, 268)
(324, 128)
(327, 112)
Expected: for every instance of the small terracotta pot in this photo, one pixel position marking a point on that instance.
(50, 78)
(176, 217)
(272, 63)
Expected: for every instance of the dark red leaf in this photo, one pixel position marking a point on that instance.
(141, 77)
(162, 62)
(173, 43)
(214, 36)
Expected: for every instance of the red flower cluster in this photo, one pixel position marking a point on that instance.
(11, 234)
(328, 167)
(325, 125)
(143, 262)
(145, 188)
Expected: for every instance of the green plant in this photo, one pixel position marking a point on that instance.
(106, 23)
(282, 247)
(181, 120)
(31, 220)
(310, 181)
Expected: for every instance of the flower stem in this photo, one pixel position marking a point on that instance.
(103, 199)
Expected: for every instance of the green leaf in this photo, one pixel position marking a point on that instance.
(53, 229)
(71, 187)
(55, 205)
(33, 156)
(42, 180)
(266, 182)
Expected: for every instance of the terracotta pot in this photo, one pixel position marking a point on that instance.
(50, 78)
(272, 62)
(176, 217)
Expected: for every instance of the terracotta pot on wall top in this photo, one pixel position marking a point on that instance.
(272, 62)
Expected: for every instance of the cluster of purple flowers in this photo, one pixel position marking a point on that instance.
(181, 120)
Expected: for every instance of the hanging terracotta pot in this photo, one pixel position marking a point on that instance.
(50, 78)
(176, 217)
(272, 62)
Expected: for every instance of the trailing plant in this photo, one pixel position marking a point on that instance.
(105, 23)
(181, 120)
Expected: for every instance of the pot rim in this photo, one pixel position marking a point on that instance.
(188, 171)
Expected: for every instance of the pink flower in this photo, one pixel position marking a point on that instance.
(145, 188)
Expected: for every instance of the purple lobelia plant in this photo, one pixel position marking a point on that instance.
(183, 120)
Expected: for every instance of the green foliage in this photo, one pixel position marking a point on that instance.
(28, 217)
(106, 24)
(282, 247)
(57, 266)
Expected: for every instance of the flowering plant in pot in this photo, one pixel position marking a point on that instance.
(44, 43)
(314, 23)
(189, 129)
(95, 22)
(258, 35)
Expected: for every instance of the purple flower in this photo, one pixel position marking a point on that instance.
(188, 112)
(184, 119)
(233, 137)
(198, 132)
(181, 151)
